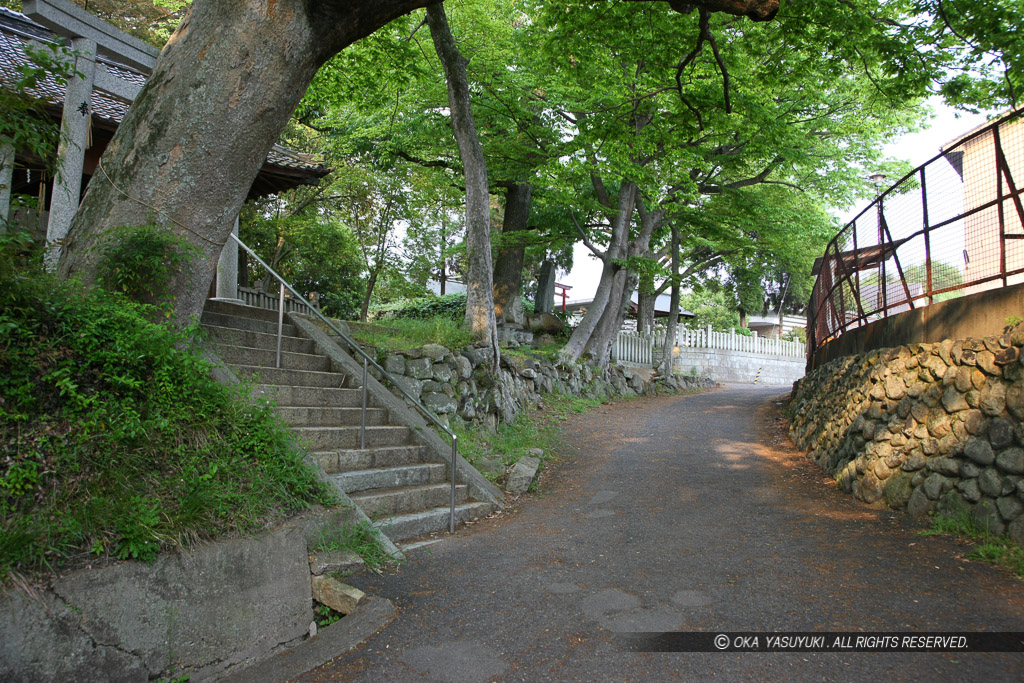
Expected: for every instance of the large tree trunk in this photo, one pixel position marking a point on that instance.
(544, 302)
(508, 267)
(577, 343)
(668, 355)
(646, 300)
(480, 296)
(195, 138)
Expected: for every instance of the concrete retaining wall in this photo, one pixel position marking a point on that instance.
(199, 613)
(976, 315)
(740, 366)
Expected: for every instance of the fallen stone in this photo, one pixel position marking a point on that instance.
(339, 596)
(522, 475)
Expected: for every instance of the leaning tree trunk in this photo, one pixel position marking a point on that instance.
(668, 355)
(577, 343)
(508, 267)
(192, 143)
(480, 295)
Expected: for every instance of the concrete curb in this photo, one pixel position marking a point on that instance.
(329, 644)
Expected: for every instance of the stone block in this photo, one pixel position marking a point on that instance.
(522, 475)
(980, 451)
(413, 386)
(919, 504)
(986, 517)
(339, 596)
(334, 561)
(434, 352)
(953, 401)
(419, 368)
(1000, 433)
(1011, 460)
(439, 403)
(395, 365)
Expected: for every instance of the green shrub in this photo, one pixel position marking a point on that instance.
(114, 439)
(409, 333)
(140, 261)
(451, 306)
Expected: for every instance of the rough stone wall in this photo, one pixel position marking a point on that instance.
(456, 385)
(740, 366)
(923, 427)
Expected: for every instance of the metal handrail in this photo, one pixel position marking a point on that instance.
(367, 361)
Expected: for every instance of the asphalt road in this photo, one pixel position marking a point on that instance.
(687, 513)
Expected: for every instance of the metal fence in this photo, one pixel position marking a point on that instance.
(951, 227)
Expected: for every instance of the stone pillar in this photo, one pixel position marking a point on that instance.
(74, 133)
(227, 268)
(6, 178)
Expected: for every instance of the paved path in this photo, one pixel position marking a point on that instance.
(702, 518)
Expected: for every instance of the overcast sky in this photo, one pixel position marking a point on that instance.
(917, 148)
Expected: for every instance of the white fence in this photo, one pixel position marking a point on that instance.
(637, 348)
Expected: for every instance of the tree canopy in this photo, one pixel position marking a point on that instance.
(681, 142)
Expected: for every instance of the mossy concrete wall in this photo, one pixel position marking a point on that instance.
(923, 427)
(201, 613)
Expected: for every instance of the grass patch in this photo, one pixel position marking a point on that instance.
(357, 537)
(115, 440)
(537, 428)
(998, 550)
(408, 333)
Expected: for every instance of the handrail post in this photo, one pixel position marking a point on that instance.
(362, 431)
(455, 455)
(280, 324)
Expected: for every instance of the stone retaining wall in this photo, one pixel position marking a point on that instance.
(923, 427)
(457, 387)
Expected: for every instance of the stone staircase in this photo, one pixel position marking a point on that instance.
(389, 480)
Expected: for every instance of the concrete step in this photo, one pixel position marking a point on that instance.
(285, 395)
(332, 462)
(241, 310)
(257, 340)
(332, 417)
(382, 503)
(267, 358)
(390, 477)
(243, 323)
(334, 438)
(295, 378)
(433, 520)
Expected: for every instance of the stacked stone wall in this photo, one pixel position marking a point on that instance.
(458, 387)
(923, 427)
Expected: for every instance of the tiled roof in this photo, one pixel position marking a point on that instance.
(16, 30)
